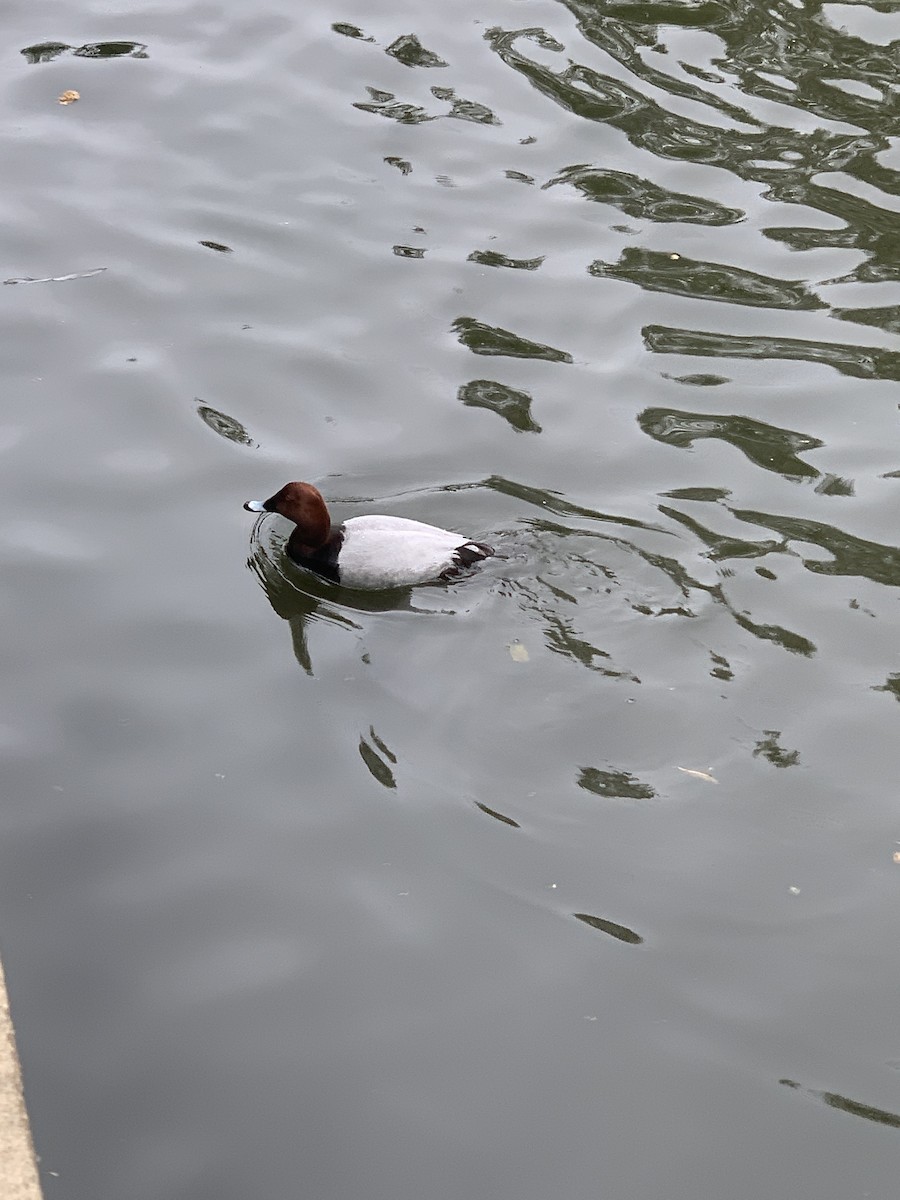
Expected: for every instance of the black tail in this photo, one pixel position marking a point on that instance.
(472, 552)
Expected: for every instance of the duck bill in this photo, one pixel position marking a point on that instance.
(255, 506)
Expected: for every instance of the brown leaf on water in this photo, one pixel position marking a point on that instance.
(69, 97)
(698, 774)
(897, 857)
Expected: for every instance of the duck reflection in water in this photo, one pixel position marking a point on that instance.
(301, 597)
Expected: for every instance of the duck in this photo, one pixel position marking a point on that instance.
(368, 552)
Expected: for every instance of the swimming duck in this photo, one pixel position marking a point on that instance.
(368, 552)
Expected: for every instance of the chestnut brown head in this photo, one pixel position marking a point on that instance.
(303, 504)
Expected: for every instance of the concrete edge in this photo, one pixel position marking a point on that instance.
(18, 1166)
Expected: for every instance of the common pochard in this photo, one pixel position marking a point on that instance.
(367, 552)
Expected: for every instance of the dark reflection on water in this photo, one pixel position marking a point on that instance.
(410, 51)
(378, 759)
(47, 51)
(766, 446)
(644, 199)
(769, 748)
(507, 402)
(614, 784)
(482, 338)
(851, 555)
(386, 104)
(498, 816)
(465, 110)
(860, 362)
(346, 29)
(302, 598)
(621, 932)
(700, 380)
(493, 258)
(227, 427)
(402, 165)
(853, 1108)
(657, 271)
(890, 685)
(778, 53)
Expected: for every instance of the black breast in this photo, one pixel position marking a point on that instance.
(323, 561)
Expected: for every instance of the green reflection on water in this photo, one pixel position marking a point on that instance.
(861, 362)
(777, 52)
(512, 405)
(766, 446)
(850, 555)
(481, 338)
(657, 271)
(410, 51)
(492, 258)
(614, 784)
(644, 199)
(621, 932)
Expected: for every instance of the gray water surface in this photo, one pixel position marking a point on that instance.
(575, 877)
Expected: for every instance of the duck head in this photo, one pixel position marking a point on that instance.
(303, 504)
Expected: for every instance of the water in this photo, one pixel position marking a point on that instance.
(575, 877)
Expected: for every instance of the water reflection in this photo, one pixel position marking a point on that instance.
(47, 51)
(351, 31)
(644, 199)
(562, 637)
(614, 784)
(498, 816)
(465, 110)
(302, 598)
(621, 932)
(227, 427)
(861, 362)
(766, 446)
(490, 339)
(850, 555)
(378, 759)
(386, 104)
(492, 258)
(891, 685)
(512, 405)
(657, 271)
(783, 53)
(410, 51)
(854, 1108)
(768, 748)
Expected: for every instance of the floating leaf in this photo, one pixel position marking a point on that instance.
(698, 774)
(69, 97)
(517, 652)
